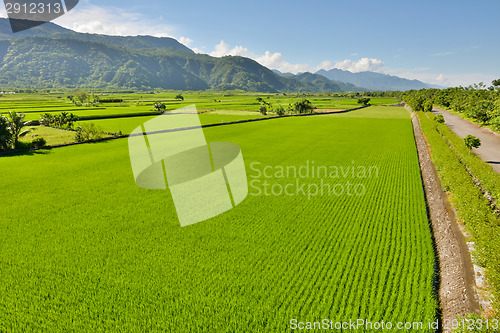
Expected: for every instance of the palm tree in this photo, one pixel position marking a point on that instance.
(16, 124)
(63, 119)
(71, 119)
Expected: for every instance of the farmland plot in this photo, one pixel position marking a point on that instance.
(83, 248)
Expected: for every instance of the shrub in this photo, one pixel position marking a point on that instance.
(38, 143)
(472, 142)
(280, 111)
(439, 119)
(364, 101)
(304, 106)
(263, 110)
(160, 107)
(88, 132)
(5, 135)
(22, 145)
(495, 123)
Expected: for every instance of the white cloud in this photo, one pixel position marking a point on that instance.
(362, 65)
(223, 49)
(113, 21)
(326, 65)
(441, 78)
(268, 59)
(186, 41)
(276, 61)
(197, 50)
(116, 21)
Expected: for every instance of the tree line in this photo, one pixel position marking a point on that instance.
(478, 102)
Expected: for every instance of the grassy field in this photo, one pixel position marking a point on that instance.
(53, 136)
(84, 249)
(127, 125)
(36, 105)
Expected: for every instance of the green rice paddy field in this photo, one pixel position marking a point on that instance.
(82, 248)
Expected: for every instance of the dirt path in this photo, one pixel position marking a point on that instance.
(490, 143)
(457, 295)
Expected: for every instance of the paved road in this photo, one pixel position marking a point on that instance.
(490, 143)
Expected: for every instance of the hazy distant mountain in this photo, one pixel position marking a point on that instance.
(324, 84)
(50, 56)
(283, 74)
(372, 80)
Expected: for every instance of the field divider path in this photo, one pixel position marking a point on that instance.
(457, 295)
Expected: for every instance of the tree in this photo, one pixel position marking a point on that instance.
(81, 95)
(439, 119)
(71, 119)
(5, 135)
(63, 119)
(472, 142)
(304, 106)
(47, 119)
(428, 106)
(280, 111)
(259, 99)
(15, 127)
(179, 97)
(364, 101)
(263, 110)
(160, 107)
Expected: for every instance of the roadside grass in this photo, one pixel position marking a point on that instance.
(473, 209)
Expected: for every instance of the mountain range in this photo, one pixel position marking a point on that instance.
(372, 80)
(50, 56)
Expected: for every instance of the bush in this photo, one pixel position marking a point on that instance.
(88, 132)
(280, 111)
(439, 119)
(428, 106)
(38, 143)
(472, 142)
(22, 145)
(495, 123)
(364, 101)
(5, 135)
(160, 107)
(304, 106)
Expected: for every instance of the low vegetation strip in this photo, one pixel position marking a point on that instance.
(473, 209)
(456, 275)
(481, 170)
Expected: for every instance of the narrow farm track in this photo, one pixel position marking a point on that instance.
(456, 289)
(490, 143)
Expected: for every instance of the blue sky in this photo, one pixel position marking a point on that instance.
(440, 42)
